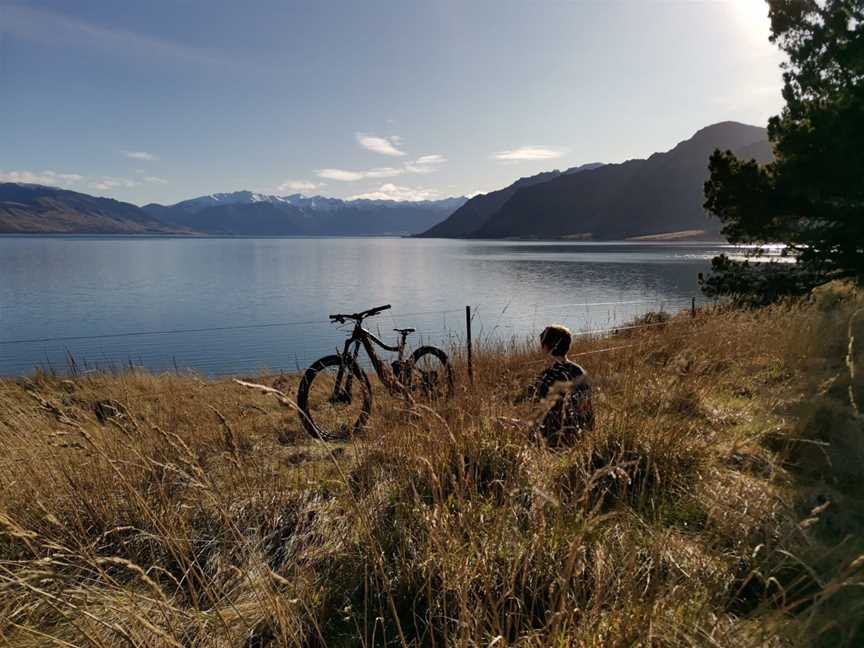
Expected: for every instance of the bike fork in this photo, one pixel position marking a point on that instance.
(341, 393)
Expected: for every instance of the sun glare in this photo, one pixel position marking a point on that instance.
(752, 18)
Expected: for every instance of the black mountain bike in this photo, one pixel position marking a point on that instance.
(335, 395)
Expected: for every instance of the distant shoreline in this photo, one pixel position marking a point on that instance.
(681, 235)
(684, 236)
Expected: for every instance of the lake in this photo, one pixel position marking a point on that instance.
(238, 305)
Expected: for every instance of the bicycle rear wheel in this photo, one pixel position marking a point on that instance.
(432, 374)
(335, 398)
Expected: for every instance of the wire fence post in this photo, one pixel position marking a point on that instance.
(468, 338)
(693, 307)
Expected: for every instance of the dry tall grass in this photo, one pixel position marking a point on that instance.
(717, 503)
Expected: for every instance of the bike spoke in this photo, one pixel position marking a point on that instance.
(333, 405)
(430, 378)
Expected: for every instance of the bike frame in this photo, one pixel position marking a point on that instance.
(366, 339)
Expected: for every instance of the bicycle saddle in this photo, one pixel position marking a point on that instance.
(407, 331)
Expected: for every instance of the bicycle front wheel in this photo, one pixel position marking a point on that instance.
(335, 398)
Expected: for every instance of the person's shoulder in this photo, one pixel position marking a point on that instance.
(571, 369)
(550, 374)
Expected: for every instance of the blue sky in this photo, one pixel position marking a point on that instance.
(161, 101)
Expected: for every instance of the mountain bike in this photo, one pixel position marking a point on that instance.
(335, 395)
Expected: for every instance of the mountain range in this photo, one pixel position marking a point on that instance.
(642, 197)
(245, 212)
(659, 195)
(28, 208)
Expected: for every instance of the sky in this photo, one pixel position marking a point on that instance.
(160, 101)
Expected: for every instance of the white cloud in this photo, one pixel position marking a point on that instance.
(344, 175)
(107, 182)
(50, 178)
(383, 172)
(425, 164)
(64, 178)
(431, 159)
(67, 180)
(299, 185)
(419, 168)
(140, 155)
(339, 174)
(395, 192)
(382, 145)
(524, 153)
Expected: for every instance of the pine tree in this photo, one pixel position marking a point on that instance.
(812, 196)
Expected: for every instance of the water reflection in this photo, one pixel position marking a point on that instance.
(279, 291)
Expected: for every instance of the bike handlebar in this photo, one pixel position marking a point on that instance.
(341, 317)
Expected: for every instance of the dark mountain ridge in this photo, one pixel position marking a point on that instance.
(32, 208)
(660, 194)
(473, 214)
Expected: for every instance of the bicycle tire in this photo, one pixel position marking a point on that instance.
(449, 380)
(307, 418)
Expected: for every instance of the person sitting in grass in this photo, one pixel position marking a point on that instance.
(565, 385)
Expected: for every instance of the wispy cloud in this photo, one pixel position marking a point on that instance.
(383, 172)
(67, 180)
(431, 159)
(57, 29)
(382, 145)
(340, 174)
(299, 185)
(107, 182)
(418, 168)
(50, 178)
(395, 192)
(423, 164)
(344, 175)
(140, 155)
(525, 153)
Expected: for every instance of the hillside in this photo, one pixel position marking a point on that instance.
(259, 218)
(644, 197)
(663, 193)
(376, 217)
(473, 214)
(27, 208)
(717, 503)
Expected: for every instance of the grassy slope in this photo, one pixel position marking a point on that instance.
(717, 503)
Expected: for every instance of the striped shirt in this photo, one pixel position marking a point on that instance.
(566, 385)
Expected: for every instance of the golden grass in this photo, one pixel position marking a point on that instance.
(717, 503)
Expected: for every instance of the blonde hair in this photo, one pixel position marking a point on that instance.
(557, 339)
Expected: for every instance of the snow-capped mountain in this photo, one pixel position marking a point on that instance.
(248, 212)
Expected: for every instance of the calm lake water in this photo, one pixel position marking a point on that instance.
(237, 305)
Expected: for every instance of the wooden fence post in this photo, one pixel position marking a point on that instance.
(468, 337)
(693, 307)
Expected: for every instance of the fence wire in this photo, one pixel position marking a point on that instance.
(225, 350)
